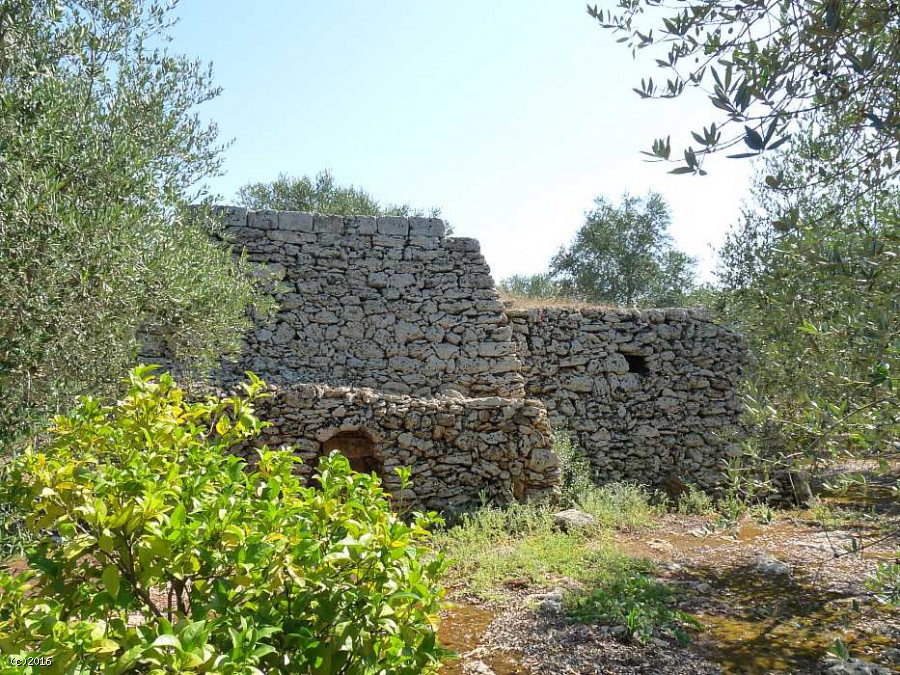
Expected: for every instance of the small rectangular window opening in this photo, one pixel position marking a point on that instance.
(637, 364)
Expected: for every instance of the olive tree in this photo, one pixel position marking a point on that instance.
(624, 255)
(773, 68)
(102, 149)
(818, 302)
(532, 286)
(324, 194)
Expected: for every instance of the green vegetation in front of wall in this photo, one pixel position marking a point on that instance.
(154, 549)
(522, 545)
(640, 604)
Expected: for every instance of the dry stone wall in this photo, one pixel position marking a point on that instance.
(649, 396)
(457, 448)
(386, 303)
(390, 332)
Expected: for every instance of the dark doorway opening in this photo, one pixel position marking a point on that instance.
(358, 448)
(637, 364)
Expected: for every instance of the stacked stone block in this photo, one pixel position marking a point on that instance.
(387, 303)
(458, 449)
(650, 396)
(386, 327)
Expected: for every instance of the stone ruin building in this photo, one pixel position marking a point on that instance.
(391, 344)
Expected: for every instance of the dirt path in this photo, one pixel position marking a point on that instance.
(773, 598)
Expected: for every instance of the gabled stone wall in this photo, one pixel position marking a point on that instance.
(386, 303)
(650, 396)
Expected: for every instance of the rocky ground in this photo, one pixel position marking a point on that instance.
(772, 598)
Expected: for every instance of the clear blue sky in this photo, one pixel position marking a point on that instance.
(509, 115)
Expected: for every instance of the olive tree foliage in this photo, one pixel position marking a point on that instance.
(323, 194)
(533, 286)
(101, 151)
(819, 302)
(624, 255)
(773, 68)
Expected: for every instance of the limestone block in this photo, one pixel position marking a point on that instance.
(407, 332)
(426, 227)
(492, 349)
(570, 520)
(291, 237)
(378, 280)
(393, 225)
(284, 334)
(505, 364)
(329, 224)
(583, 384)
(230, 216)
(615, 363)
(296, 221)
(263, 220)
(401, 280)
(542, 459)
(362, 225)
(461, 245)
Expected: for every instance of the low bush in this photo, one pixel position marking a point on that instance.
(156, 550)
(620, 505)
(613, 505)
(642, 606)
(884, 584)
(13, 538)
(694, 501)
(576, 475)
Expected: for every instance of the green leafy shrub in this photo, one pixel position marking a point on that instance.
(576, 477)
(158, 551)
(885, 583)
(643, 606)
(620, 505)
(694, 501)
(12, 537)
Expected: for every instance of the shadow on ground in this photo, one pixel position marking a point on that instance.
(758, 622)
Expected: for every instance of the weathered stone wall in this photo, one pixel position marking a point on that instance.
(387, 303)
(650, 395)
(388, 329)
(457, 448)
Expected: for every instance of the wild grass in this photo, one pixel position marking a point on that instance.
(494, 548)
(520, 543)
(694, 501)
(619, 505)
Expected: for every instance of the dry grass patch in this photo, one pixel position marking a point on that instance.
(521, 302)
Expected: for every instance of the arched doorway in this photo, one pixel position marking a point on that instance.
(358, 447)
